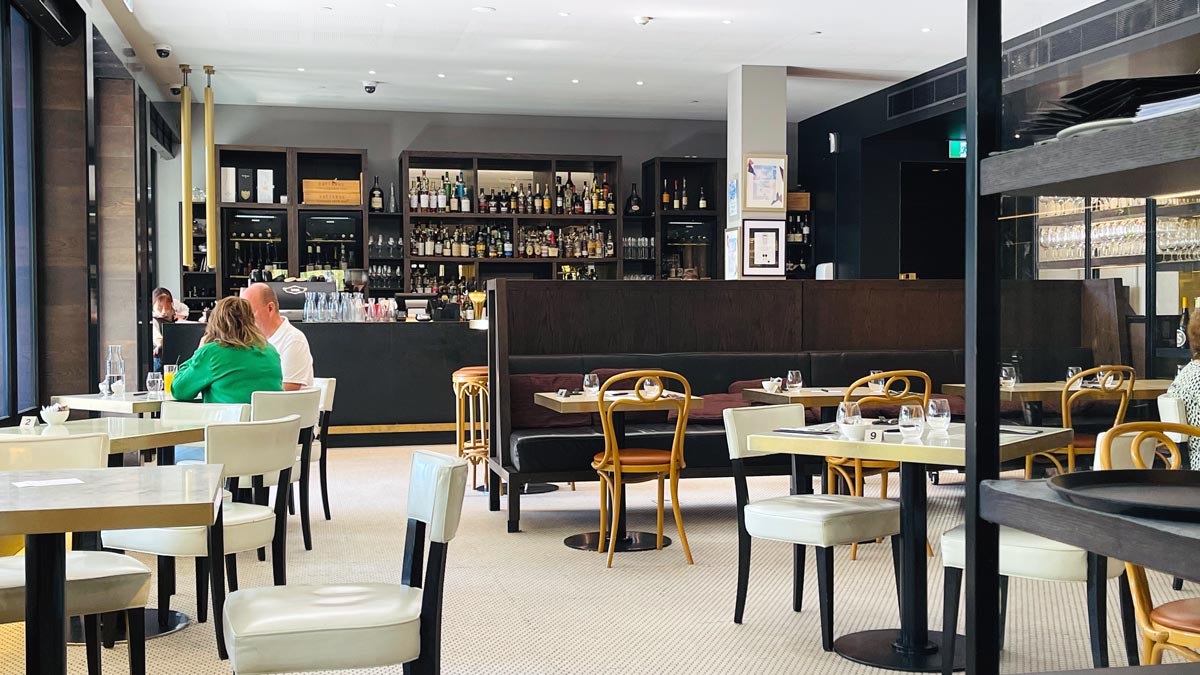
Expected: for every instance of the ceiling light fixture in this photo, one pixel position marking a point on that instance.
(815, 32)
(483, 9)
(300, 69)
(370, 72)
(574, 81)
(926, 30)
(564, 14)
(390, 5)
(442, 75)
(642, 20)
(640, 83)
(727, 22)
(509, 78)
(326, 8)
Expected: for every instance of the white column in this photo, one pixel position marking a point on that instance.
(757, 126)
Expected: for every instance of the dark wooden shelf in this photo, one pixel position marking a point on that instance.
(1077, 263)
(331, 207)
(1152, 157)
(253, 205)
(1173, 352)
(565, 216)
(385, 214)
(690, 213)
(209, 273)
(454, 216)
(199, 297)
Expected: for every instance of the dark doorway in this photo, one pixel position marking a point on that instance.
(932, 216)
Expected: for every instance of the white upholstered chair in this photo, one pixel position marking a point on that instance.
(269, 405)
(186, 411)
(803, 519)
(343, 626)
(98, 582)
(322, 442)
(243, 449)
(1030, 556)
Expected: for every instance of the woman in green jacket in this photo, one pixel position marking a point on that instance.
(233, 361)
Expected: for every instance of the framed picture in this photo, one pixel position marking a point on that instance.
(732, 199)
(764, 183)
(762, 248)
(731, 253)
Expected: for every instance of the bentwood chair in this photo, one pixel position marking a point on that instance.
(1111, 379)
(1172, 626)
(803, 519)
(322, 441)
(243, 449)
(98, 582)
(285, 629)
(269, 405)
(1174, 410)
(853, 471)
(617, 466)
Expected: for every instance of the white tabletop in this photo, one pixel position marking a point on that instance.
(131, 403)
(948, 449)
(577, 403)
(820, 397)
(125, 434)
(86, 500)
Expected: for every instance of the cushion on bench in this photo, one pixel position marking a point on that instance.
(528, 415)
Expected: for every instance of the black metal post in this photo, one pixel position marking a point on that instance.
(1087, 238)
(984, 91)
(1151, 303)
(45, 581)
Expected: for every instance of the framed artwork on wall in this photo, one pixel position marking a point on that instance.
(764, 183)
(762, 248)
(732, 255)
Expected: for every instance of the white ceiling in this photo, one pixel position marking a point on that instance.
(847, 49)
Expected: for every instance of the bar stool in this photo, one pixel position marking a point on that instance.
(472, 432)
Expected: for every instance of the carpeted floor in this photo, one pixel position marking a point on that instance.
(524, 604)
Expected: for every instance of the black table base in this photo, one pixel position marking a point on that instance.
(175, 622)
(633, 541)
(527, 489)
(880, 648)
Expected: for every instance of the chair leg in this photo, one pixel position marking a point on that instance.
(687, 550)
(1129, 627)
(950, 591)
(825, 594)
(231, 579)
(1028, 467)
(1003, 608)
(1177, 584)
(262, 497)
(291, 500)
(799, 553)
(743, 576)
(616, 509)
(660, 511)
(896, 569)
(604, 492)
(323, 468)
(883, 485)
(201, 590)
(1097, 611)
(514, 507)
(91, 637)
(136, 620)
(305, 518)
(216, 553)
(166, 586)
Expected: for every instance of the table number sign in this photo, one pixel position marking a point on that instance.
(28, 421)
(874, 435)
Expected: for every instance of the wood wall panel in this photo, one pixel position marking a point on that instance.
(1099, 300)
(869, 315)
(116, 217)
(1040, 314)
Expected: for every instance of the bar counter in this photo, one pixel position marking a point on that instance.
(393, 379)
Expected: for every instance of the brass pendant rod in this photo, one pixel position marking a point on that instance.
(210, 175)
(185, 142)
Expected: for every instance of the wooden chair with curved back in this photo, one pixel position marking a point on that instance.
(1111, 379)
(617, 466)
(1172, 626)
(853, 471)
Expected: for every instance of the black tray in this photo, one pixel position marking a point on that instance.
(1146, 493)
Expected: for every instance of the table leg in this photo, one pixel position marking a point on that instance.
(912, 647)
(828, 414)
(1032, 413)
(45, 623)
(626, 541)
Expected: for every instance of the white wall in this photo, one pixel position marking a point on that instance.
(386, 134)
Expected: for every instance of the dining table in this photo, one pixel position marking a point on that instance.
(911, 647)
(43, 506)
(1033, 394)
(826, 399)
(627, 541)
(128, 403)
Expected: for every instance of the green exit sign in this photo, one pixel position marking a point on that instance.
(958, 149)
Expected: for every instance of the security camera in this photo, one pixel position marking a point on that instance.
(370, 86)
(642, 20)
(162, 49)
(176, 89)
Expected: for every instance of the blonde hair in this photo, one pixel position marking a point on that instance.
(231, 324)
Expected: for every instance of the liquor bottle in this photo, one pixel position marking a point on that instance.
(587, 199)
(610, 247)
(480, 245)
(703, 202)
(675, 200)
(508, 245)
(1181, 336)
(570, 183)
(547, 201)
(684, 202)
(423, 197)
(805, 233)
(633, 204)
(666, 196)
(455, 190)
(606, 190)
(343, 262)
(558, 194)
(413, 199)
(443, 198)
(376, 203)
(464, 200)
(391, 198)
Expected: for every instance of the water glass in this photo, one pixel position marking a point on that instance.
(591, 384)
(169, 371)
(848, 413)
(1008, 376)
(154, 384)
(795, 380)
(937, 414)
(651, 389)
(876, 384)
(1072, 371)
(912, 421)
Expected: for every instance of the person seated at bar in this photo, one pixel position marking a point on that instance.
(234, 359)
(1186, 387)
(292, 345)
(163, 310)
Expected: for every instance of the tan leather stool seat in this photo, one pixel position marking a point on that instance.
(470, 372)
(97, 581)
(1181, 615)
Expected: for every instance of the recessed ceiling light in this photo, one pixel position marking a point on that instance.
(370, 72)
(640, 83)
(442, 75)
(926, 30)
(695, 100)
(390, 5)
(327, 8)
(574, 81)
(727, 22)
(509, 78)
(300, 69)
(564, 14)
(815, 32)
(483, 9)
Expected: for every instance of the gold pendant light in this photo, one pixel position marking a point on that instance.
(185, 142)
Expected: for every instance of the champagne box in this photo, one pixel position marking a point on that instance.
(266, 186)
(798, 201)
(228, 184)
(245, 184)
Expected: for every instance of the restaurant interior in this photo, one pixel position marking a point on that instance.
(555, 338)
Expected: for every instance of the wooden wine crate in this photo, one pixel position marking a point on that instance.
(798, 201)
(332, 192)
(323, 198)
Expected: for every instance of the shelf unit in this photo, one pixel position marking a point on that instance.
(282, 234)
(684, 238)
(197, 289)
(497, 171)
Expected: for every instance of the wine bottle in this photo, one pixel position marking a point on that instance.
(666, 196)
(376, 204)
(633, 204)
(1181, 333)
(391, 198)
(675, 201)
(684, 202)
(703, 203)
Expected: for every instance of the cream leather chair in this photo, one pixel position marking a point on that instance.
(184, 411)
(98, 582)
(344, 626)
(243, 449)
(269, 405)
(804, 519)
(328, 387)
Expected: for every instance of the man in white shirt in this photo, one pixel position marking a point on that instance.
(294, 355)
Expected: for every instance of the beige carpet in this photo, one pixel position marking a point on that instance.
(525, 604)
